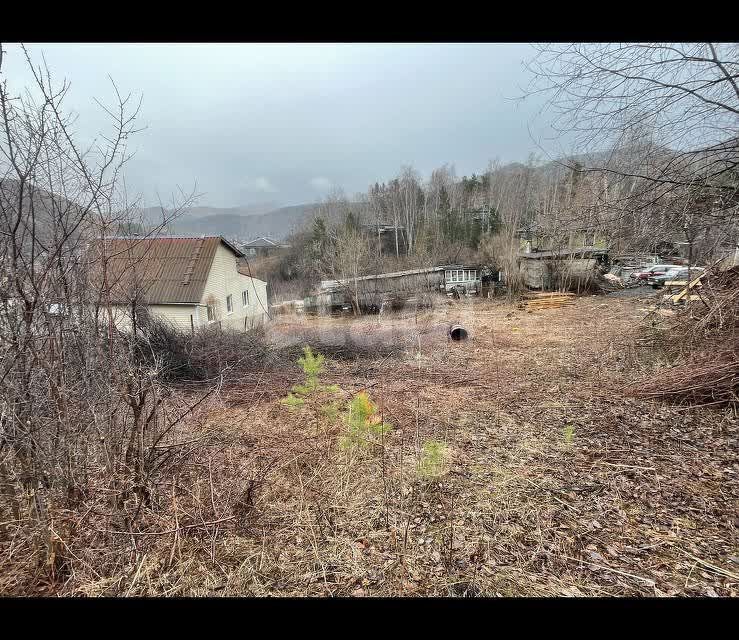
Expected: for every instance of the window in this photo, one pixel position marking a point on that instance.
(211, 313)
(229, 304)
(245, 298)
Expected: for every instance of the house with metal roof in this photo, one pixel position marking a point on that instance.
(263, 246)
(191, 282)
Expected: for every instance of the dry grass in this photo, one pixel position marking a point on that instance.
(555, 482)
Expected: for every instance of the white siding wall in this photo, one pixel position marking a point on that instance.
(177, 314)
(224, 279)
(121, 317)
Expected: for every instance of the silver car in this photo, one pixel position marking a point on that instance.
(679, 273)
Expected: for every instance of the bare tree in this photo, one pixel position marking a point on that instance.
(668, 113)
(81, 404)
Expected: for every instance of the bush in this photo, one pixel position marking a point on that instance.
(183, 356)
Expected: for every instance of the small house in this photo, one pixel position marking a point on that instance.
(263, 247)
(191, 282)
(562, 268)
(462, 279)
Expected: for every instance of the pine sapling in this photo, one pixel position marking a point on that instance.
(363, 422)
(568, 433)
(433, 459)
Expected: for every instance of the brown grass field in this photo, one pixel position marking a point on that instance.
(553, 479)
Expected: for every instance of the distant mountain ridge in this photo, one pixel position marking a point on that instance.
(243, 223)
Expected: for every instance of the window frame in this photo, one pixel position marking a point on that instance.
(229, 304)
(210, 311)
(245, 298)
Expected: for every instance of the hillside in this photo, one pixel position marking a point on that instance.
(51, 212)
(238, 222)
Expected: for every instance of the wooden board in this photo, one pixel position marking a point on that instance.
(684, 292)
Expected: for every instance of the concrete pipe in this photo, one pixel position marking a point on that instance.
(457, 332)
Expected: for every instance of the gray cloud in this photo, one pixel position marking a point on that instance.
(297, 119)
(320, 183)
(263, 185)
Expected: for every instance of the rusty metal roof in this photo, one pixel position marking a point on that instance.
(160, 270)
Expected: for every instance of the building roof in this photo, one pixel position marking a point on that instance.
(559, 253)
(460, 266)
(263, 243)
(162, 269)
(382, 226)
(329, 284)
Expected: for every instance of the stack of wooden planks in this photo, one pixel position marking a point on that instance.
(689, 286)
(553, 300)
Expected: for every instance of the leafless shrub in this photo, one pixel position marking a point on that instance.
(501, 251)
(702, 344)
(567, 275)
(374, 342)
(88, 430)
(655, 124)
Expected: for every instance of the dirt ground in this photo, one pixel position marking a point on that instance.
(554, 481)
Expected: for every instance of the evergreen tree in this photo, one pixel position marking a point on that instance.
(319, 238)
(351, 222)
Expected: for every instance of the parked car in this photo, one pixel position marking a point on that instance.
(678, 273)
(653, 270)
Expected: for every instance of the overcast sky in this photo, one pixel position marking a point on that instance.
(283, 123)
